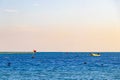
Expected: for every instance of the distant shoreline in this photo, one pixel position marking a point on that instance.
(51, 52)
(14, 52)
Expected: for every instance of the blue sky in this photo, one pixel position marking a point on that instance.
(64, 21)
(43, 12)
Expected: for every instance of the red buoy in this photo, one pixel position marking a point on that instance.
(34, 51)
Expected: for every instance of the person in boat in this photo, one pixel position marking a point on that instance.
(98, 53)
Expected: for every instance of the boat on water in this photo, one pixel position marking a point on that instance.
(95, 54)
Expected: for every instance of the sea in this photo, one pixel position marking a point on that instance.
(59, 66)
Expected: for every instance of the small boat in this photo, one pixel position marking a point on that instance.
(95, 54)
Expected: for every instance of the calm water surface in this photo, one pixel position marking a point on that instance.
(60, 66)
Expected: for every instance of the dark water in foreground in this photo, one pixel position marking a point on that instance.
(60, 66)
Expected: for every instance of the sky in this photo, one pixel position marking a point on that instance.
(60, 25)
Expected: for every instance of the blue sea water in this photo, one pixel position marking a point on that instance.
(60, 66)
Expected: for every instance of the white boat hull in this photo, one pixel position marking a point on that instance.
(93, 54)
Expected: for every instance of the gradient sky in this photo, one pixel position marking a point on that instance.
(60, 25)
